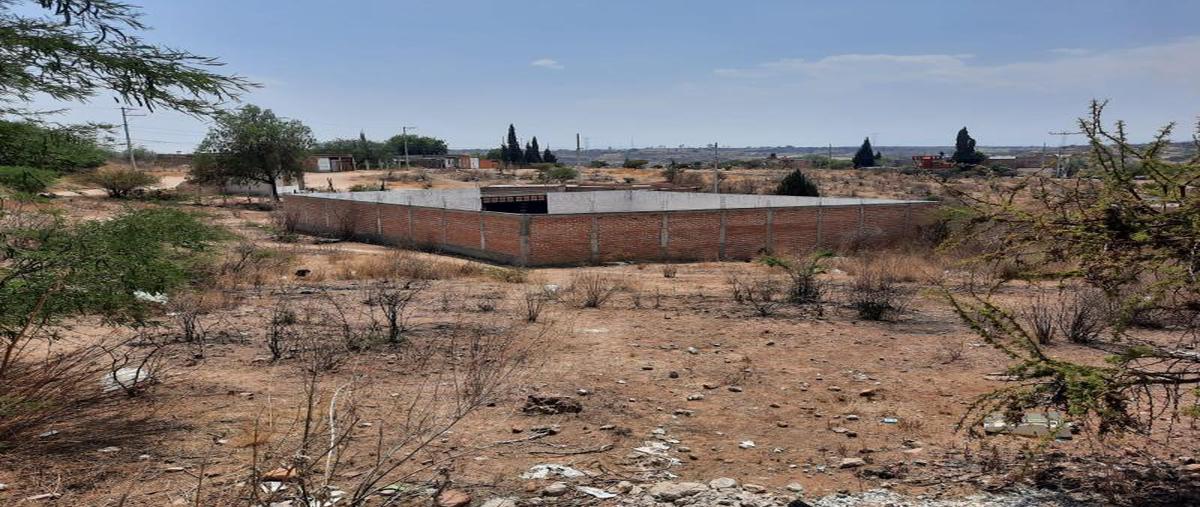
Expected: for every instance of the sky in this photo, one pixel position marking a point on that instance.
(688, 72)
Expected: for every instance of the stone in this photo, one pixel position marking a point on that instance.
(501, 502)
(622, 487)
(754, 488)
(735, 389)
(582, 392)
(795, 487)
(673, 374)
(869, 392)
(723, 483)
(747, 444)
(852, 463)
(693, 350)
(684, 412)
(852, 417)
(781, 424)
(556, 489)
(109, 450)
(671, 491)
(453, 498)
(695, 397)
(3, 486)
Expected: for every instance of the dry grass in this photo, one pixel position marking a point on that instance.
(340, 266)
(899, 266)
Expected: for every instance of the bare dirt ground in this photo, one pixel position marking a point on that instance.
(773, 401)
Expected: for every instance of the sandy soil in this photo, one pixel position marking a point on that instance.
(807, 391)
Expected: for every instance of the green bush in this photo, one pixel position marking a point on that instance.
(798, 184)
(558, 174)
(26, 180)
(59, 149)
(119, 181)
(636, 164)
(597, 164)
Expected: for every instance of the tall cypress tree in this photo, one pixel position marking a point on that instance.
(865, 157)
(548, 156)
(513, 154)
(533, 154)
(964, 149)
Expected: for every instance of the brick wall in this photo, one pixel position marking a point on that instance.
(600, 237)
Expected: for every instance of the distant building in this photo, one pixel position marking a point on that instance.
(326, 163)
(449, 162)
(938, 161)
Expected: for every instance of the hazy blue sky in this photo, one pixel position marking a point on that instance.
(689, 72)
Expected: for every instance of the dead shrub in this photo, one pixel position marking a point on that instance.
(593, 289)
(669, 270)
(535, 301)
(875, 295)
(78, 392)
(392, 299)
(1040, 316)
(762, 294)
(1082, 316)
(280, 333)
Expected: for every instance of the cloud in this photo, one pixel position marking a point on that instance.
(547, 63)
(1176, 62)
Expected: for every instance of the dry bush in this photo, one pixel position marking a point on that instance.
(79, 392)
(398, 264)
(325, 448)
(281, 333)
(248, 263)
(762, 294)
(1082, 315)
(535, 301)
(669, 270)
(392, 299)
(487, 302)
(592, 289)
(1040, 316)
(875, 295)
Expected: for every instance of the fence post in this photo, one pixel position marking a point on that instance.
(770, 229)
(721, 236)
(820, 216)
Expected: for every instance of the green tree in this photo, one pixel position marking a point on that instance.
(1132, 243)
(865, 156)
(80, 47)
(548, 156)
(964, 149)
(635, 164)
(417, 145)
(533, 154)
(62, 149)
(796, 183)
(514, 155)
(251, 144)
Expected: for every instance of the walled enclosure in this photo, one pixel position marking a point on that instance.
(592, 227)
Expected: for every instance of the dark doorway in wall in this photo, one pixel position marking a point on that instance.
(530, 204)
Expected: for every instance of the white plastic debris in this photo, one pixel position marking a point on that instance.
(747, 444)
(125, 378)
(151, 297)
(546, 470)
(596, 492)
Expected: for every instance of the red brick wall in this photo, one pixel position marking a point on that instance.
(570, 239)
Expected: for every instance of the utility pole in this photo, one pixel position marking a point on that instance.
(1059, 170)
(578, 156)
(716, 169)
(404, 135)
(128, 142)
